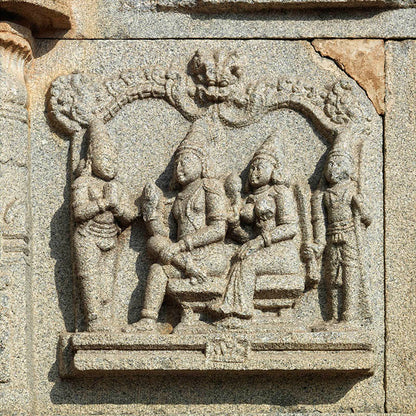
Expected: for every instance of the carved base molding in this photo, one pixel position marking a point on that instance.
(97, 354)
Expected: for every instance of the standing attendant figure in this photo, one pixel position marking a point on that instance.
(101, 209)
(337, 214)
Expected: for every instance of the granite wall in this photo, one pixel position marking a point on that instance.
(299, 83)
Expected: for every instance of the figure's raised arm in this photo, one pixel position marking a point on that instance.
(152, 206)
(360, 206)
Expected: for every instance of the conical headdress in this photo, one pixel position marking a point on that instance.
(341, 149)
(196, 141)
(272, 149)
(346, 150)
(102, 150)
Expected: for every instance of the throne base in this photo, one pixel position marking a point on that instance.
(99, 354)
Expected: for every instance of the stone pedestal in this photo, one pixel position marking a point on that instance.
(83, 355)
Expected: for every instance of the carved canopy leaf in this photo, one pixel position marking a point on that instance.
(212, 83)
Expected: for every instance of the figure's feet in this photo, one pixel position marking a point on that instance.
(233, 322)
(218, 310)
(323, 326)
(99, 325)
(335, 325)
(144, 325)
(150, 326)
(195, 327)
(222, 310)
(351, 325)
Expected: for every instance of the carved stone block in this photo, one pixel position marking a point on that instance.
(42, 15)
(92, 354)
(206, 207)
(242, 245)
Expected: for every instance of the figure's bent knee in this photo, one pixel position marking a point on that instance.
(156, 244)
(157, 272)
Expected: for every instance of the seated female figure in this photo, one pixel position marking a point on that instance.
(271, 209)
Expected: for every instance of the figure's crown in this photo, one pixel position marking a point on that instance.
(271, 149)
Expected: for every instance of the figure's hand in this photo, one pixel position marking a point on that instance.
(150, 201)
(232, 187)
(250, 247)
(111, 192)
(171, 251)
(364, 217)
(307, 252)
(239, 234)
(196, 275)
(366, 220)
(310, 251)
(234, 216)
(95, 194)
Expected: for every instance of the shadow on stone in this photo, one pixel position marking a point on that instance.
(60, 246)
(275, 390)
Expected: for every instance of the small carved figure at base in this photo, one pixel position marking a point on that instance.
(101, 208)
(338, 212)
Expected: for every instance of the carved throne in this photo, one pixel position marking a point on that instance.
(194, 299)
(275, 295)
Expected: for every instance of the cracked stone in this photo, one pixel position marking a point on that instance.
(363, 60)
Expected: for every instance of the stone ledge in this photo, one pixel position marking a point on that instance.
(41, 15)
(239, 6)
(91, 354)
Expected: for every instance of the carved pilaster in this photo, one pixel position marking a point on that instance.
(15, 55)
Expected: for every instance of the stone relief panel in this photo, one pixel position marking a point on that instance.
(230, 229)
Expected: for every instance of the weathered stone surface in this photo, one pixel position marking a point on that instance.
(400, 163)
(250, 5)
(134, 127)
(197, 207)
(93, 354)
(108, 19)
(41, 15)
(363, 60)
(15, 222)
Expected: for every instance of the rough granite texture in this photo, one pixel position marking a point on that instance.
(108, 19)
(134, 128)
(39, 300)
(400, 170)
(40, 15)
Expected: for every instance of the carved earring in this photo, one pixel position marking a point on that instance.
(277, 176)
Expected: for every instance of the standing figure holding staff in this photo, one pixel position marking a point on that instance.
(337, 213)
